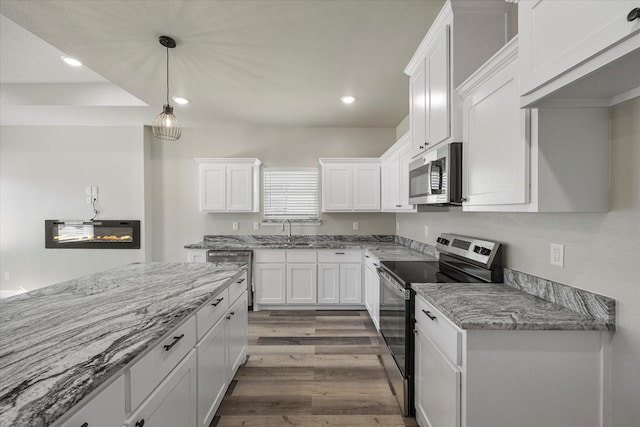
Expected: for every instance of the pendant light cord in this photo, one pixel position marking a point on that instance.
(167, 75)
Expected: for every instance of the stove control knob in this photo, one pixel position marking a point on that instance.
(485, 251)
(476, 249)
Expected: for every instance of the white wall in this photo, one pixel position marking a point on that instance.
(43, 174)
(176, 217)
(602, 251)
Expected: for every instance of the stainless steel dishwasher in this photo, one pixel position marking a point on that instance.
(235, 256)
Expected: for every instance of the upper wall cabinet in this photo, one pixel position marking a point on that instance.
(229, 185)
(579, 53)
(463, 36)
(395, 177)
(350, 185)
(522, 160)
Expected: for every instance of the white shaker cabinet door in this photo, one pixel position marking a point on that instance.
(301, 283)
(270, 282)
(438, 128)
(337, 187)
(213, 378)
(328, 283)
(239, 188)
(366, 187)
(213, 184)
(173, 403)
(437, 392)
(418, 109)
(350, 283)
(237, 334)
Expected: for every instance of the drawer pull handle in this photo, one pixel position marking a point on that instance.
(140, 423)
(230, 314)
(240, 281)
(85, 425)
(218, 301)
(429, 315)
(634, 14)
(377, 265)
(339, 253)
(366, 256)
(167, 348)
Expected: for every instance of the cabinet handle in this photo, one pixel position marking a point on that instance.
(428, 313)
(339, 253)
(463, 199)
(85, 425)
(422, 146)
(167, 348)
(218, 301)
(366, 256)
(240, 281)
(140, 423)
(230, 314)
(376, 265)
(634, 14)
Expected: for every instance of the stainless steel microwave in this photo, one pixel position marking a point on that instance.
(435, 178)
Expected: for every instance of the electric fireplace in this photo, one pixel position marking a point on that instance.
(102, 234)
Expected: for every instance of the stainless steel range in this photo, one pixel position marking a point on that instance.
(462, 260)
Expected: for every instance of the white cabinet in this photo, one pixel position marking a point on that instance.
(104, 410)
(301, 283)
(196, 255)
(395, 177)
(173, 402)
(212, 372)
(350, 185)
(237, 321)
(270, 281)
(566, 374)
(461, 38)
(551, 160)
(340, 277)
(229, 185)
(372, 288)
(578, 52)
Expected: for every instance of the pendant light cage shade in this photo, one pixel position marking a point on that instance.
(166, 125)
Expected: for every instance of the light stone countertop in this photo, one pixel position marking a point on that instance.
(60, 342)
(499, 306)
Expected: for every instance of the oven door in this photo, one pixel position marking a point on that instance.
(394, 318)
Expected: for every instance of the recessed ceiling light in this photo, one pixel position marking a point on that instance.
(71, 61)
(348, 99)
(180, 100)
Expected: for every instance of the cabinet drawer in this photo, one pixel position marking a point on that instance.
(211, 312)
(440, 330)
(105, 409)
(237, 288)
(301, 255)
(269, 255)
(149, 371)
(339, 256)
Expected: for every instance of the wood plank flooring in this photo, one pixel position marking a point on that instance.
(310, 369)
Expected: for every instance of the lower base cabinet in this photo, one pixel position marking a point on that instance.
(508, 378)
(105, 410)
(173, 403)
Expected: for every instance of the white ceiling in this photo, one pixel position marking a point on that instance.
(269, 62)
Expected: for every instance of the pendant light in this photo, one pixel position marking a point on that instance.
(166, 125)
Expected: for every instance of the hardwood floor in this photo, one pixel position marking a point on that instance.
(309, 369)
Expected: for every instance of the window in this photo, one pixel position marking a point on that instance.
(290, 193)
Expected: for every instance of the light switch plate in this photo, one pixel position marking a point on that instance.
(234, 225)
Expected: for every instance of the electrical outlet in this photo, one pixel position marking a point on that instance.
(355, 225)
(557, 255)
(234, 225)
(256, 225)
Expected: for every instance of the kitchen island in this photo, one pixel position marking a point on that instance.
(66, 341)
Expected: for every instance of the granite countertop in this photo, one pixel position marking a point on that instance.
(383, 246)
(499, 306)
(60, 342)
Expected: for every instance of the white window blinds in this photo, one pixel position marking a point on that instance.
(290, 193)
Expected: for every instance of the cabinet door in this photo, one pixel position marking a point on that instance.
(556, 35)
(196, 255)
(437, 386)
(237, 334)
(438, 128)
(301, 284)
(418, 109)
(213, 184)
(173, 403)
(328, 283)
(336, 187)
(366, 187)
(390, 177)
(350, 283)
(239, 188)
(104, 410)
(270, 283)
(213, 377)
(496, 164)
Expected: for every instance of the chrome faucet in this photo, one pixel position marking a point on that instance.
(286, 220)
